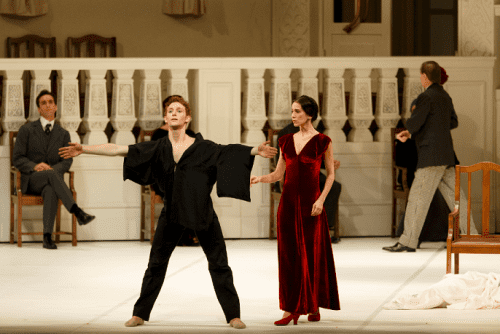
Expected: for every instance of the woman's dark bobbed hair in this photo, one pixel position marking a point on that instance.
(309, 106)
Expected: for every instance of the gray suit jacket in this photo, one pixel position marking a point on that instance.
(430, 126)
(34, 146)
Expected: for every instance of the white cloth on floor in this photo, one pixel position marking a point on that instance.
(469, 291)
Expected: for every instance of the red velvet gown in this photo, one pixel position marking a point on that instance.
(306, 269)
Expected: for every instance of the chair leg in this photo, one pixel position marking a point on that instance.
(394, 210)
(58, 221)
(448, 259)
(456, 263)
(19, 229)
(73, 223)
(12, 221)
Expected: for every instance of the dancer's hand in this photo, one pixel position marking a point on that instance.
(71, 151)
(317, 207)
(254, 180)
(267, 151)
(403, 136)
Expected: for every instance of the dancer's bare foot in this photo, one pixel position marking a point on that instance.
(237, 323)
(134, 321)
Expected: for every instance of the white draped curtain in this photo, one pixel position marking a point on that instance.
(184, 7)
(24, 7)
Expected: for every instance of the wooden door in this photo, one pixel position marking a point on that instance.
(371, 38)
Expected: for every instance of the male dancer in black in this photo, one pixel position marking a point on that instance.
(185, 167)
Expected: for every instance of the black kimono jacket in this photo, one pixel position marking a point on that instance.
(187, 185)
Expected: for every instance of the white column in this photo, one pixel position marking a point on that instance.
(68, 102)
(253, 115)
(412, 89)
(40, 80)
(95, 117)
(280, 99)
(308, 85)
(177, 83)
(123, 107)
(387, 112)
(150, 103)
(12, 103)
(334, 111)
(360, 107)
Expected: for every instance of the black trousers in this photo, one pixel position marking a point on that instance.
(50, 184)
(212, 242)
(331, 200)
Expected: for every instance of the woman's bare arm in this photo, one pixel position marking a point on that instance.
(274, 176)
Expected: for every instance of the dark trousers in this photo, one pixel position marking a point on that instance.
(212, 242)
(331, 199)
(50, 184)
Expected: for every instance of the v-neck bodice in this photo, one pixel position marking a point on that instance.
(303, 147)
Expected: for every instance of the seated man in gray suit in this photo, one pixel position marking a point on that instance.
(36, 155)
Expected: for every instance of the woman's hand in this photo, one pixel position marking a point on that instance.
(317, 207)
(254, 180)
(403, 136)
(71, 151)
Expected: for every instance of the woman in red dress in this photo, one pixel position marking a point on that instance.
(306, 268)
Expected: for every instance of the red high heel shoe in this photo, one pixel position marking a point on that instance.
(314, 316)
(286, 321)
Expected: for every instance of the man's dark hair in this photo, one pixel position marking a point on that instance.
(309, 106)
(432, 70)
(42, 93)
(176, 98)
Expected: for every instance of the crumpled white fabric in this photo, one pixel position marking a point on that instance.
(469, 291)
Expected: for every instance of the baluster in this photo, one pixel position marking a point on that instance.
(177, 83)
(150, 103)
(95, 117)
(334, 112)
(280, 99)
(123, 107)
(412, 89)
(308, 85)
(387, 112)
(68, 102)
(360, 107)
(12, 103)
(253, 115)
(40, 80)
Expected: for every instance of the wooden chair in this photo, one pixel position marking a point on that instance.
(17, 197)
(400, 190)
(107, 46)
(31, 42)
(467, 243)
(148, 194)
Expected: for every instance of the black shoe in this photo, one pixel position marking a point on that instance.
(47, 242)
(335, 240)
(83, 218)
(398, 248)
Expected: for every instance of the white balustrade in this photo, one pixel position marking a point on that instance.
(123, 107)
(40, 80)
(412, 89)
(177, 83)
(360, 106)
(308, 85)
(12, 103)
(95, 117)
(150, 102)
(68, 102)
(334, 115)
(280, 98)
(387, 110)
(253, 115)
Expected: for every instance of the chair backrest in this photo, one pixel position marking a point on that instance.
(107, 46)
(32, 43)
(486, 168)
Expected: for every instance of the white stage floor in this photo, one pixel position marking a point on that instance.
(92, 288)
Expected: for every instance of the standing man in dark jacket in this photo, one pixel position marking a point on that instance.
(36, 155)
(430, 126)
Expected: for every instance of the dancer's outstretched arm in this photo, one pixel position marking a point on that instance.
(264, 151)
(75, 149)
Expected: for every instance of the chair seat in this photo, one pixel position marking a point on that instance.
(29, 199)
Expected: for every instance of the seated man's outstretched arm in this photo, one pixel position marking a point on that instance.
(75, 149)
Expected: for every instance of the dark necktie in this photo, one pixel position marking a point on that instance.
(47, 129)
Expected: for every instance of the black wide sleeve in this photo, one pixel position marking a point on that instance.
(139, 164)
(234, 165)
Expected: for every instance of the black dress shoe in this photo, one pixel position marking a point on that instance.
(47, 242)
(83, 218)
(399, 248)
(335, 240)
